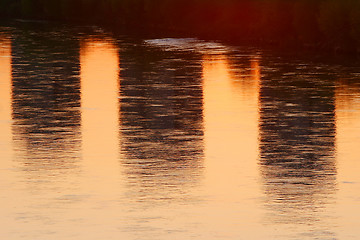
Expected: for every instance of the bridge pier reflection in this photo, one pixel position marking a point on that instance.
(297, 146)
(161, 115)
(46, 101)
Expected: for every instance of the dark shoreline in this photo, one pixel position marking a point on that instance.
(316, 53)
(327, 26)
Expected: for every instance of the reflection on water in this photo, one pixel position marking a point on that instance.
(45, 127)
(45, 100)
(5, 94)
(161, 119)
(119, 138)
(161, 129)
(231, 130)
(348, 158)
(99, 103)
(297, 145)
(6, 154)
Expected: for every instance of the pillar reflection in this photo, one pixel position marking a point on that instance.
(297, 145)
(161, 112)
(46, 101)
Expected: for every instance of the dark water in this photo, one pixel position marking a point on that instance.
(117, 137)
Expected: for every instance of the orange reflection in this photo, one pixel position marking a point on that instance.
(348, 125)
(347, 143)
(255, 71)
(5, 125)
(231, 133)
(99, 100)
(5, 100)
(245, 77)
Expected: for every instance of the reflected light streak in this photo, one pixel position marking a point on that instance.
(99, 100)
(6, 148)
(347, 120)
(5, 100)
(255, 71)
(231, 132)
(348, 138)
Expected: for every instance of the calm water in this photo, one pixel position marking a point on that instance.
(105, 137)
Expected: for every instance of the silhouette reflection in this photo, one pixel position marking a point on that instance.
(161, 112)
(46, 99)
(297, 143)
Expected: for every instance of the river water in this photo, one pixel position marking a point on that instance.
(120, 137)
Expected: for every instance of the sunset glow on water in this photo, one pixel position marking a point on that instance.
(113, 137)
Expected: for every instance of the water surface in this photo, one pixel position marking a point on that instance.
(119, 137)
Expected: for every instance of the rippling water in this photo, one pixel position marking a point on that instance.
(116, 137)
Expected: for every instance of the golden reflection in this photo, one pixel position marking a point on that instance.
(348, 125)
(6, 147)
(348, 138)
(5, 100)
(99, 101)
(245, 75)
(231, 133)
(255, 71)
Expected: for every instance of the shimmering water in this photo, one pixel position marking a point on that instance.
(116, 137)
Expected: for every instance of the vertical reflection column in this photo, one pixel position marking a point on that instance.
(99, 101)
(46, 129)
(45, 101)
(6, 147)
(161, 118)
(297, 143)
(348, 154)
(161, 138)
(5, 101)
(230, 99)
(231, 137)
